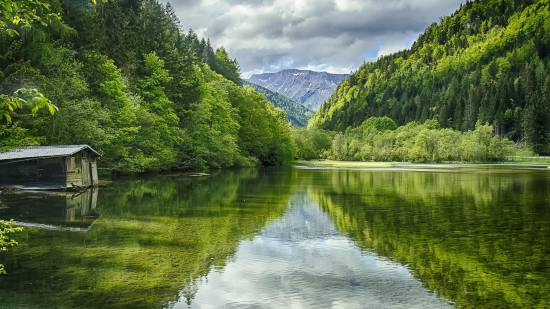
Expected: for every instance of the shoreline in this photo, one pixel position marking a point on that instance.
(371, 165)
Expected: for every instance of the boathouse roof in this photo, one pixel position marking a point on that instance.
(31, 152)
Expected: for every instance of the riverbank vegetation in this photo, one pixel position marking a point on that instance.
(127, 80)
(7, 229)
(380, 139)
(486, 63)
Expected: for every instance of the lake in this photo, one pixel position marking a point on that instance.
(417, 237)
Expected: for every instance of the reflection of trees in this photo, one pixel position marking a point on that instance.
(152, 238)
(479, 239)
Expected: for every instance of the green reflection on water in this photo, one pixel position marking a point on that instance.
(479, 238)
(151, 238)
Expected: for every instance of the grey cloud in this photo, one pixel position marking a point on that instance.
(250, 2)
(304, 246)
(336, 35)
(184, 3)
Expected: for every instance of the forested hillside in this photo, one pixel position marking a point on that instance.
(127, 80)
(295, 113)
(488, 62)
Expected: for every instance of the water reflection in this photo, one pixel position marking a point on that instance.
(51, 210)
(283, 238)
(301, 261)
(480, 239)
(152, 237)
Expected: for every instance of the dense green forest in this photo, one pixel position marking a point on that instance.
(380, 139)
(487, 63)
(297, 114)
(124, 77)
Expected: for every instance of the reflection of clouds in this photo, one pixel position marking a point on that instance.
(301, 261)
(302, 221)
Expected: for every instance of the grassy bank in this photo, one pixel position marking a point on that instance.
(529, 159)
(538, 164)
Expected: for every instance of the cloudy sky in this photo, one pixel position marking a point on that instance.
(324, 35)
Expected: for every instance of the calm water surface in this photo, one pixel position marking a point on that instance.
(287, 238)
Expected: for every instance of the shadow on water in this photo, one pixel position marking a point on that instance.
(51, 210)
(151, 238)
(389, 238)
(478, 238)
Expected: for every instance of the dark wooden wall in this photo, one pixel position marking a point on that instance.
(42, 173)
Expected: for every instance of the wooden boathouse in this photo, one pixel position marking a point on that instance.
(49, 167)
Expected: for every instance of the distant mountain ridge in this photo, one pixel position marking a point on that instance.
(295, 113)
(309, 88)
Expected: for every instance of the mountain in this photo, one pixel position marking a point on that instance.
(295, 113)
(488, 62)
(309, 88)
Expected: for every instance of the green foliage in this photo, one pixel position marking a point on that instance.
(24, 99)
(129, 83)
(297, 114)
(8, 105)
(227, 67)
(121, 126)
(487, 62)
(19, 15)
(213, 125)
(265, 133)
(311, 143)
(379, 139)
(159, 133)
(24, 102)
(6, 241)
(12, 136)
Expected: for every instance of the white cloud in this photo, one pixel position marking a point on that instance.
(349, 5)
(332, 35)
(301, 261)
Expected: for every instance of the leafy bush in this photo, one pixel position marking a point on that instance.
(6, 241)
(379, 139)
(311, 143)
